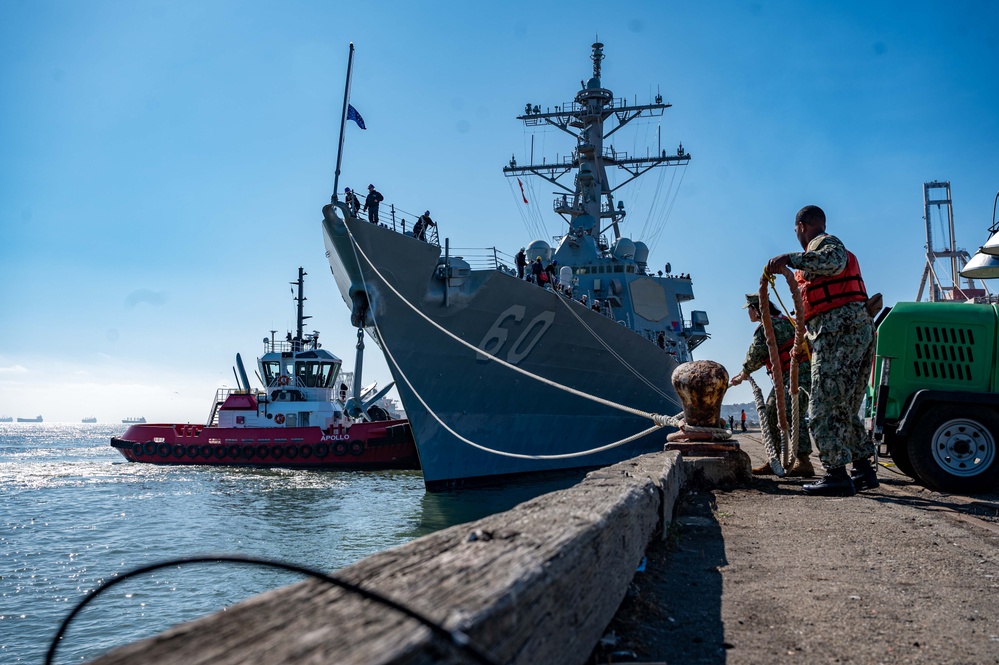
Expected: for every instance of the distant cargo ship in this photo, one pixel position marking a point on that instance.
(133, 421)
(91, 419)
(6, 419)
(36, 419)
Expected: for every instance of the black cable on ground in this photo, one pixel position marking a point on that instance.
(456, 637)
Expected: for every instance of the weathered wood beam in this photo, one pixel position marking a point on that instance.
(536, 584)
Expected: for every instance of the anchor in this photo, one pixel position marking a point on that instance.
(356, 407)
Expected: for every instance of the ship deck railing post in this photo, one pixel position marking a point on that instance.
(392, 209)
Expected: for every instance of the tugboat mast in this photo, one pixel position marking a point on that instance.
(592, 198)
(300, 299)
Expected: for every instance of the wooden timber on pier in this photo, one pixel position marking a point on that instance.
(536, 584)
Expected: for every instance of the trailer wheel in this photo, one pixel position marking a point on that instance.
(953, 448)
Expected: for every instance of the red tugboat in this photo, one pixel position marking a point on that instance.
(303, 420)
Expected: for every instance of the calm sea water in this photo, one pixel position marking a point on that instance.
(74, 513)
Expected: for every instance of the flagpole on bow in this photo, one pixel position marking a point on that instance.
(343, 121)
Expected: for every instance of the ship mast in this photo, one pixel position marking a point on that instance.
(591, 200)
(300, 299)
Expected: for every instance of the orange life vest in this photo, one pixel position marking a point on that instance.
(784, 355)
(824, 293)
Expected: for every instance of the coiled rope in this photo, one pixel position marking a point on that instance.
(789, 435)
(659, 420)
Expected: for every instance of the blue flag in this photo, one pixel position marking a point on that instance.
(352, 114)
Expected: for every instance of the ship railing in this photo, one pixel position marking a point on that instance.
(289, 345)
(485, 258)
(401, 221)
(220, 397)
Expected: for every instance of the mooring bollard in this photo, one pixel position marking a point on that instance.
(701, 386)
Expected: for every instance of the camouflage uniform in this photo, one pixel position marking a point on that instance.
(756, 357)
(842, 342)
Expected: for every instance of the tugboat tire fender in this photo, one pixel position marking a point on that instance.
(149, 447)
(192, 450)
(163, 450)
(277, 452)
(356, 448)
(233, 451)
(306, 450)
(291, 452)
(206, 450)
(248, 451)
(322, 450)
(136, 449)
(339, 448)
(178, 450)
(219, 452)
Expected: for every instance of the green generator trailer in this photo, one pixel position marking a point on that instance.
(932, 404)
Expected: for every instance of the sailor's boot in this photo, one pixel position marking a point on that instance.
(802, 468)
(763, 470)
(864, 475)
(836, 482)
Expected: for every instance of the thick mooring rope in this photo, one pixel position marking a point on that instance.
(789, 435)
(769, 445)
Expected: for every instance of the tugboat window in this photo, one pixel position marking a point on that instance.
(272, 369)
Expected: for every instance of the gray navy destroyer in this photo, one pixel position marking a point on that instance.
(499, 375)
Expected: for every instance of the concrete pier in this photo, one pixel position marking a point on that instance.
(536, 584)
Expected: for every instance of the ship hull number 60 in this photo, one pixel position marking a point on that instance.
(496, 338)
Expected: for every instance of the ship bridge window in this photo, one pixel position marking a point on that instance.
(272, 370)
(316, 374)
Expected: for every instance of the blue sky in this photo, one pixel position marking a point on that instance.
(163, 164)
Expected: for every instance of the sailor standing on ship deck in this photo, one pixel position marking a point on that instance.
(422, 224)
(350, 198)
(371, 204)
(521, 260)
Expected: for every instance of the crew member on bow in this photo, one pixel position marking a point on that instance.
(841, 334)
(759, 356)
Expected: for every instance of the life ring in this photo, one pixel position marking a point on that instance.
(322, 450)
(149, 447)
(356, 448)
(305, 450)
(283, 380)
(279, 418)
(339, 448)
(163, 450)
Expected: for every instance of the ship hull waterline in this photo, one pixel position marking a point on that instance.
(478, 398)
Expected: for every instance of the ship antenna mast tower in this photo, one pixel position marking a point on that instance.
(958, 257)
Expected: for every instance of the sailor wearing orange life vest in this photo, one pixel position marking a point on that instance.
(841, 335)
(759, 356)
